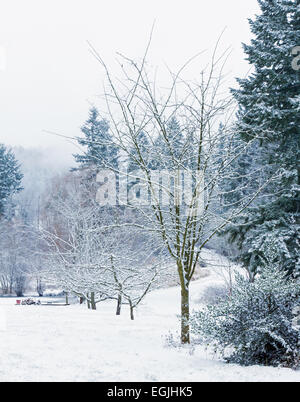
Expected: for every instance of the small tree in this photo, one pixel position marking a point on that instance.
(134, 268)
(20, 280)
(89, 258)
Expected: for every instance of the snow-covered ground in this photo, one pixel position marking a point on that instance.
(72, 343)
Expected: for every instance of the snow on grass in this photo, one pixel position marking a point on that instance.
(71, 343)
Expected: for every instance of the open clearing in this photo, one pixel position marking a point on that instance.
(46, 343)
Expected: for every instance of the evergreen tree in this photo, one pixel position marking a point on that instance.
(10, 177)
(97, 141)
(170, 150)
(164, 153)
(142, 139)
(269, 105)
(134, 181)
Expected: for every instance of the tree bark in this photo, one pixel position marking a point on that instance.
(118, 312)
(93, 304)
(131, 310)
(185, 315)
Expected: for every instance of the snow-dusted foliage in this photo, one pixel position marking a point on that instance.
(10, 177)
(96, 139)
(268, 101)
(92, 252)
(255, 325)
(18, 245)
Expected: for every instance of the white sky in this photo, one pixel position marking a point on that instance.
(50, 78)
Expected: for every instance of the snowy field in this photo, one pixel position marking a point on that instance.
(72, 343)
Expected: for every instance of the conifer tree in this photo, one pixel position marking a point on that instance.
(98, 149)
(269, 105)
(168, 152)
(10, 177)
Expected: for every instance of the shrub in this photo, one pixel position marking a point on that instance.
(255, 324)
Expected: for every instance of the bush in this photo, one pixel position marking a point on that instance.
(255, 324)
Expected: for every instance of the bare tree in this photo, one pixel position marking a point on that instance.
(89, 259)
(179, 170)
(135, 266)
(15, 257)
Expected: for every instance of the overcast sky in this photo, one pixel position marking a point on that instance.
(48, 78)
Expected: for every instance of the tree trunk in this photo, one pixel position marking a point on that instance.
(131, 310)
(93, 304)
(39, 287)
(67, 298)
(119, 304)
(88, 301)
(185, 315)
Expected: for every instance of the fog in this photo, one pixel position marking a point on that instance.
(49, 79)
